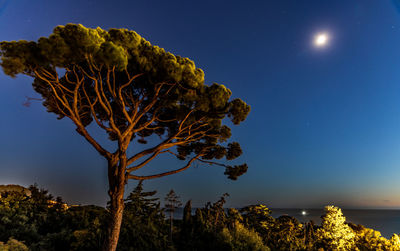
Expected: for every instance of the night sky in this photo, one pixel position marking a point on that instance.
(325, 122)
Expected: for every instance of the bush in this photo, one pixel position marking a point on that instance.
(243, 239)
(286, 234)
(334, 233)
(369, 239)
(13, 245)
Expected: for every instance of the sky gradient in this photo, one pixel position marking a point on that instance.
(324, 126)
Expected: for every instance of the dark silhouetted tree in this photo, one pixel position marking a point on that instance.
(144, 226)
(131, 90)
(172, 202)
(187, 212)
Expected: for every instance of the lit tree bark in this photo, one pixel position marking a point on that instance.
(116, 181)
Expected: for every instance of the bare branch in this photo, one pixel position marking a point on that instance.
(143, 153)
(130, 176)
(145, 162)
(184, 120)
(112, 91)
(103, 101)
(63, 100)
(93, 112)
(80, 128)
(136, 117)
(27, 103)
(212, 163)
(82, 131)
(181, 140)
(121, 99)
(148, 123)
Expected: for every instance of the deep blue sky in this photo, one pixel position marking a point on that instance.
(324, 126)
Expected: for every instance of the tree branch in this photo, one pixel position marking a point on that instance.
(130, 176)
(121, 99)
(103, 101)
(167, 143)
(145, 162)
(80, 128)
(212, 163)
(93, 112)
(148, 151)
(103, 152)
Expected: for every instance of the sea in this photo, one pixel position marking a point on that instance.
(385, 221)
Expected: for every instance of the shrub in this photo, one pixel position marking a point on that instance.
(369, 239)
(243, 239)
(13, 245)
(334, 233)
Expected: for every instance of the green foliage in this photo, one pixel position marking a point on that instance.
(46, 224)
(143, 226)
(29, 218)
(172, 202)
(212, 228)
(286, 234)
(187, 212)
(141, 202)
(15, 209)
(369, 239)
(334, 233)
(395, 242)
(87, 227)
(203, 230)
(235, 171)
(233, 218)
(258, 217)
(40, 223)
(309, 235)
(243, 239)
(213, 216)
(186, 231)
(13, 245)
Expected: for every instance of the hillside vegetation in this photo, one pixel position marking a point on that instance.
(40, 222)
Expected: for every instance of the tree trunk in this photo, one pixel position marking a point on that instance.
(116, 180)
(171, 225)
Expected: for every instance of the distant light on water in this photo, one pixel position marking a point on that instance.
(303, 212)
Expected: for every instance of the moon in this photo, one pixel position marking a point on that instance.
(321, 39)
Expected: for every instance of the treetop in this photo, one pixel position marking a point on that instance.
(120, 48)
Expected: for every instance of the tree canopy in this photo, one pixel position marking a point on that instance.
(131, 89)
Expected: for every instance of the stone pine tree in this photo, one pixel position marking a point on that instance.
(172, 202)
(132, 90)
